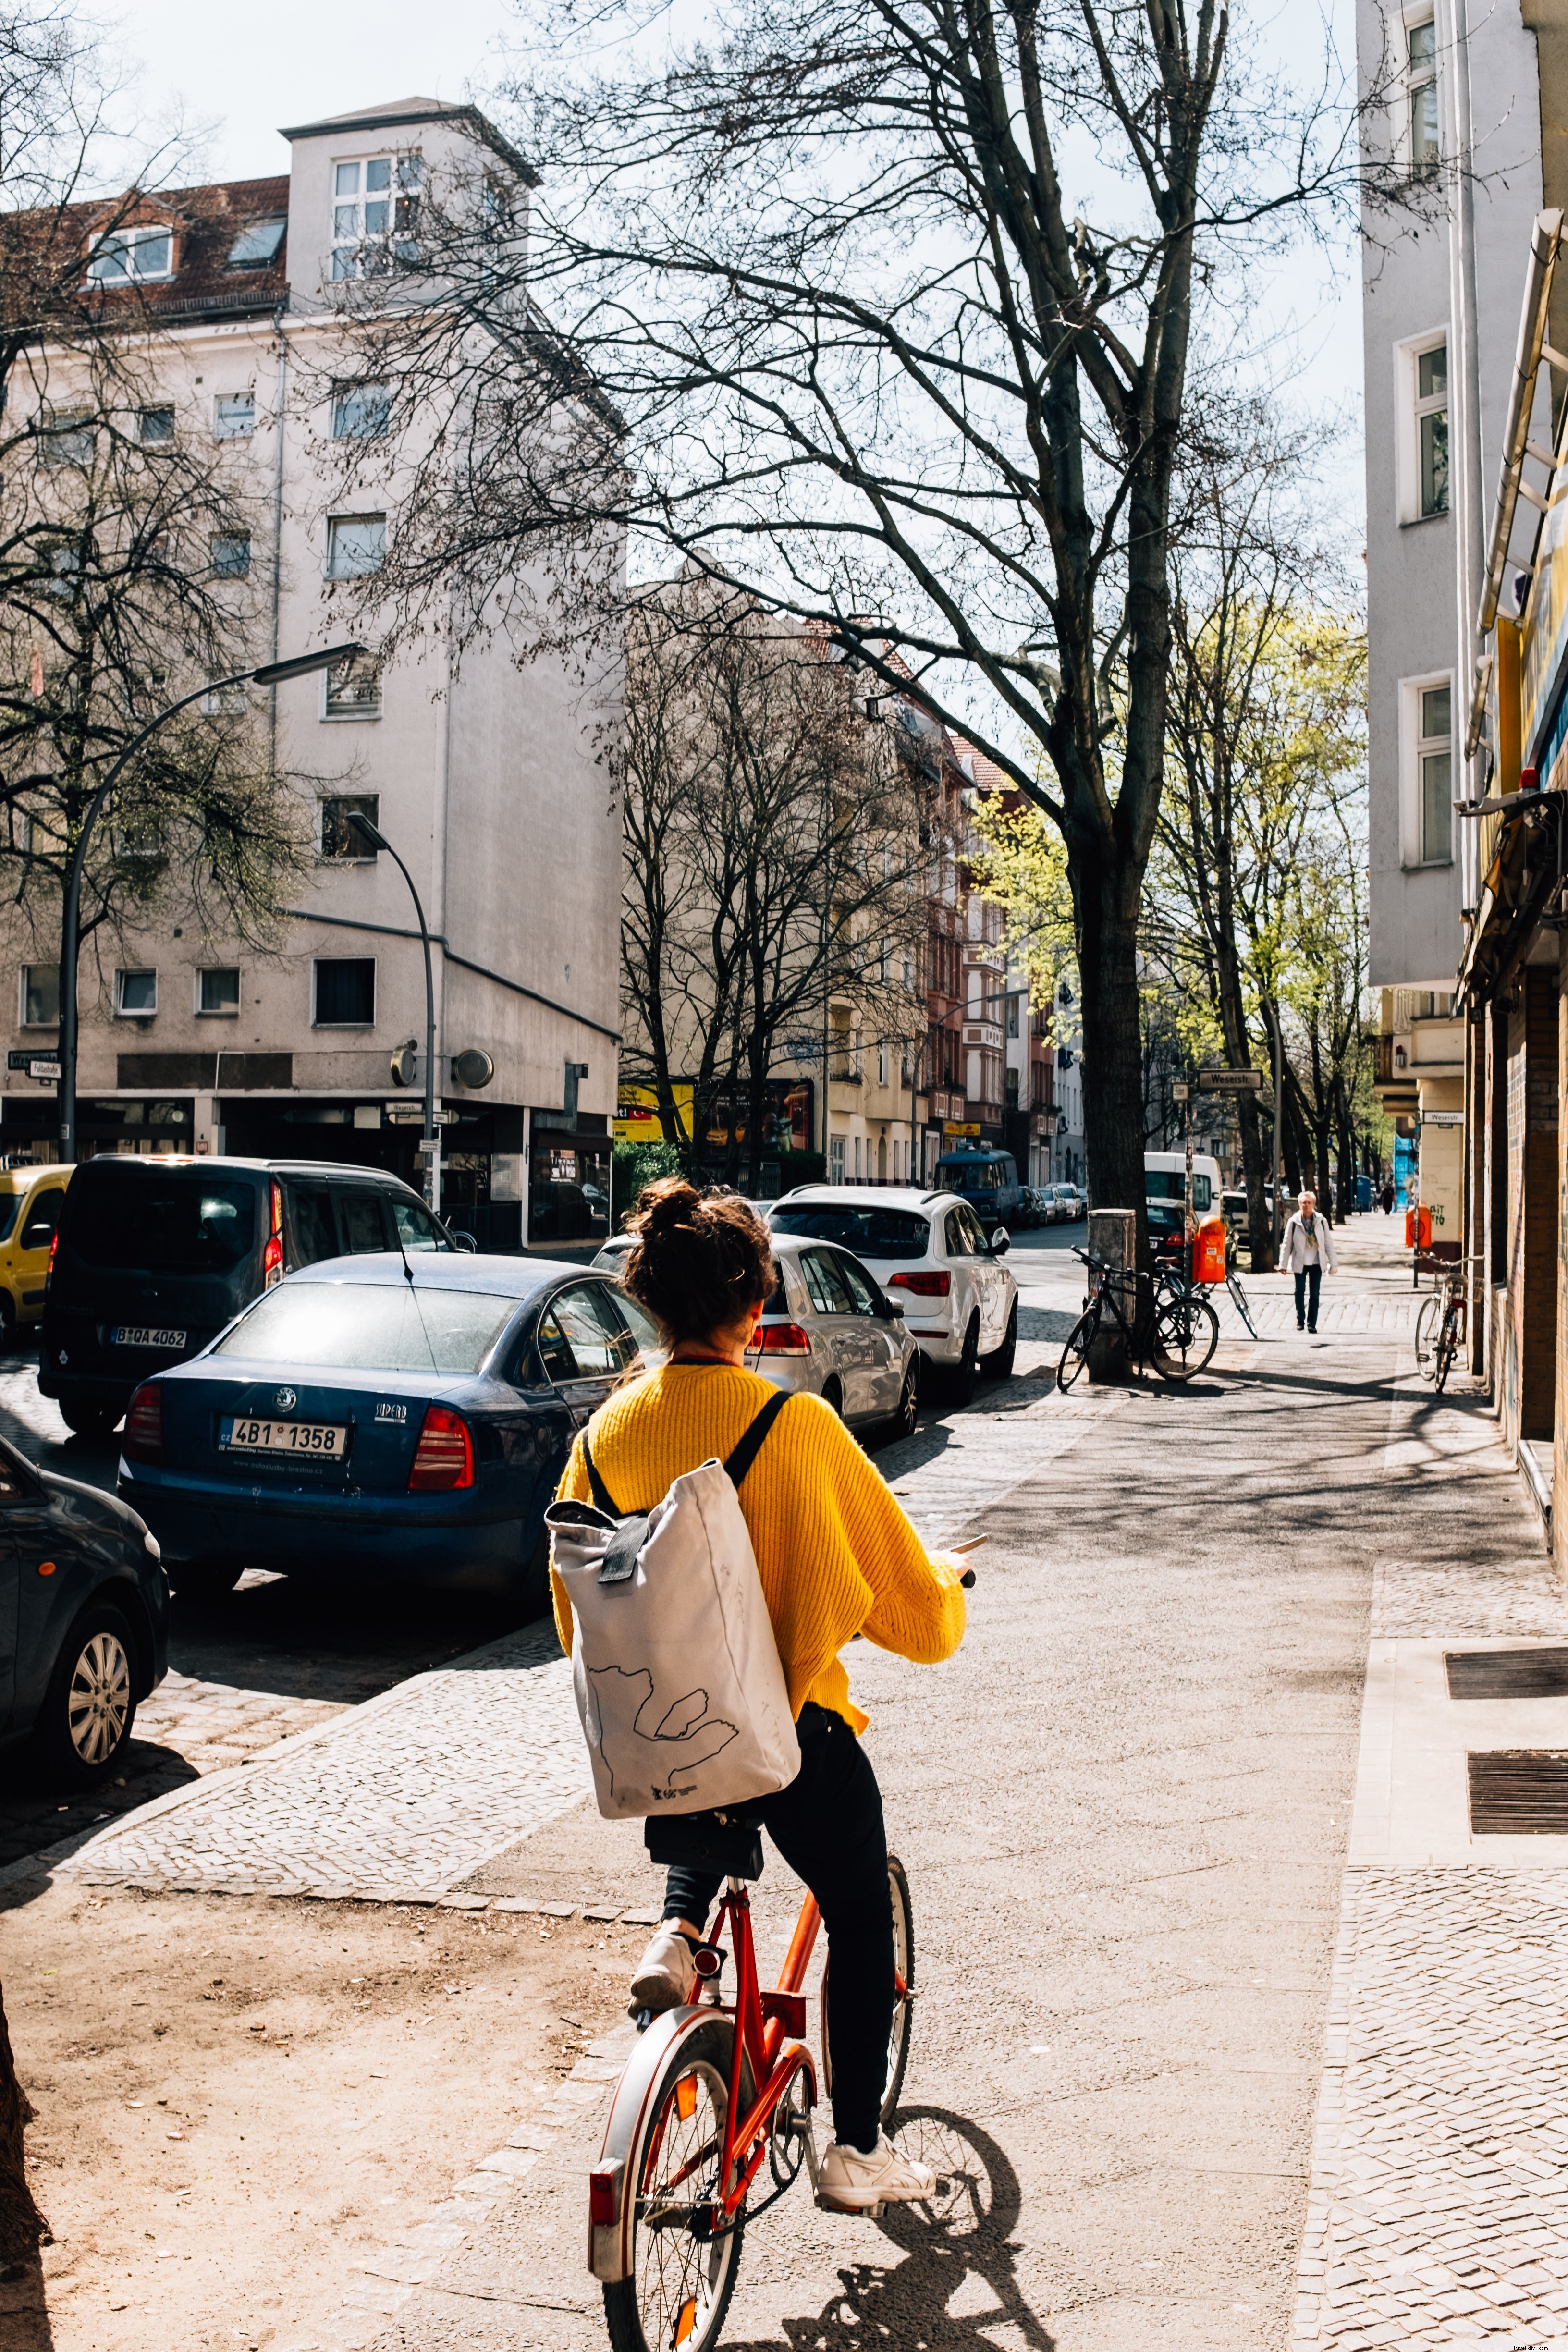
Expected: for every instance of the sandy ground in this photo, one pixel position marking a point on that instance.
(236, 2101)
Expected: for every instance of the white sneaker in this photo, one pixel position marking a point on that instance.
(852, 2182)
(667, 1974)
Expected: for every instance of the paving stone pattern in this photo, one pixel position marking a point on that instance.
(400, 1797)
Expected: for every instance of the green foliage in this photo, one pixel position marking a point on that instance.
(633, 1165)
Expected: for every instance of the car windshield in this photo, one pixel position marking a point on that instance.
(868, 1232)
(173, 1223)
(968, 1175)
(369, 1326)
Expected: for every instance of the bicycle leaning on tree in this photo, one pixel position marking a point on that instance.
(1182, 1329)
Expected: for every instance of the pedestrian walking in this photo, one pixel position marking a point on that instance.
(1387, 1197)
(1307, 1253)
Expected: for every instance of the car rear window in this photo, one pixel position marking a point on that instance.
(172, 1223)
(369, 1326)
(868, 1232)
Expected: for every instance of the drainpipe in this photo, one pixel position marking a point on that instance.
(280, 398)
(1465, 393)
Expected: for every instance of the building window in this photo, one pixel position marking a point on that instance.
(356, 546)
(40, 995)
(136, 993)
(257, 247)
(1012, 1015)
(234, 415)
(1435, 758)
(352, 690)
(155, 428)
(217, 991)
(1423, 87)
(343, 843)
(376, 214)
(231, 558)
(142, 842)
(360, 411)
(225, 700)
(881, 1065)
(1432, 427)
(132, 255)
(345, 992)
(835, 1160)
(68, 439)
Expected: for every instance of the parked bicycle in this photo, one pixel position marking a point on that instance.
(1442, 1324)
(1170, 1275)
(1182, 1328)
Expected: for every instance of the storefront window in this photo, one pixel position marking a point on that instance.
(569, 1189)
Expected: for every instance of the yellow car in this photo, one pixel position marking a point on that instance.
(30, 1202)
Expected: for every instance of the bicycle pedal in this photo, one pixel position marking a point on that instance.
(857, 2212)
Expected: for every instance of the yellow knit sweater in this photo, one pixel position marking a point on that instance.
(836, 1555)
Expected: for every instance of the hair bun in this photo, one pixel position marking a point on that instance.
(700, 1259)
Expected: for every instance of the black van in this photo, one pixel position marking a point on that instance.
(988, 1180)
(153, 1256)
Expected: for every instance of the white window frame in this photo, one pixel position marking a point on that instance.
(354, 716)
(354, 242)
(22, 1020)
(216, 1012)
(131, 240)
(1411, 689)
(348, 522)
(239, 424)
(1407, 356)
(230, 538)
(1410, 81)
(835, 1159)
(373, 397)
(123, 1012)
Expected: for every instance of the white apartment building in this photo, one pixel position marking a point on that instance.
(483, 775)
(1458, 93)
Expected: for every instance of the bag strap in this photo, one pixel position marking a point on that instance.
(602, 1495)
(750, 1446)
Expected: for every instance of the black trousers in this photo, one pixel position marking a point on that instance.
(1309, 1282)
(827, 1824)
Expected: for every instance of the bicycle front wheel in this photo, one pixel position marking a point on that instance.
(1239, 1300)
(1429, 1323)
(682, 2275)
(1186, 1335)
(1075, 1355)
(903, 1996)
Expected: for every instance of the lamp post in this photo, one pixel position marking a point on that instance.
(268, 674)
(432, 1147)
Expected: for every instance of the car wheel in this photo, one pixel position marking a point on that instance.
(998, 1365)
(205, 1580)
(92, 1422)
(7, 1323)
(902, 1424)
(834, 1395)
(965, 1373)
(90, 1706)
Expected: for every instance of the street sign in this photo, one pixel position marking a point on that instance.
(47, 1073)
(1442, 1119)
(37, 1066)
(1180, 1093)
(1230, 1082)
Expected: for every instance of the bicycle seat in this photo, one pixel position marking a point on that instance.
(725, 1842)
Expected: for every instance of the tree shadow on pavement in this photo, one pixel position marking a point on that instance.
(957, 2247)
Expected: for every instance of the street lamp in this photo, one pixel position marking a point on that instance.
(432, 1152)
(268, 674)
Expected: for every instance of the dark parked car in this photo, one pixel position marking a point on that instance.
(364, 1420)
(152, 1258)
(84, 1619)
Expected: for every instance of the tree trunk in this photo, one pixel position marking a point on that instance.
(22, 2226)
(1255, 1176)
(1106, 906)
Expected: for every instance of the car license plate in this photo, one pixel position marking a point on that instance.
(144, 1335)
(324, 1441)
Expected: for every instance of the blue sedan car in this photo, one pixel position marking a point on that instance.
(377, 1418)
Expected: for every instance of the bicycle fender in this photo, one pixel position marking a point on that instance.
(610, 2242)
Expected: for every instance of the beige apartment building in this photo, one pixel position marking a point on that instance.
(483, 774)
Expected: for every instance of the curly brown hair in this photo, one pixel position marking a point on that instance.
(700, 1259)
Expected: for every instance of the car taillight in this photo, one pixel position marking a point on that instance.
(143, 1438)
(780, 1339)
(444, 1457)
(272, 1255)
(924, 1285)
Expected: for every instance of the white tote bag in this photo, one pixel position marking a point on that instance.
(682, 1698)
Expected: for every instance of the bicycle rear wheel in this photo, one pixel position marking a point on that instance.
(1075, 1355)
(1186, 1335)
(681, 2282)
(1449, 1341)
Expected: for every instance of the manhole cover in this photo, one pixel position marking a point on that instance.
(1519, 1793)
(1507, 1673)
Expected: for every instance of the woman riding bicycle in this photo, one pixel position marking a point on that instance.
(837, 1558)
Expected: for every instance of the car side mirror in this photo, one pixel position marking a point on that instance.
(893, 1307)
(1001, 1242)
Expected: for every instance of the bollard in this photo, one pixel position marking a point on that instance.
(1113, 1235)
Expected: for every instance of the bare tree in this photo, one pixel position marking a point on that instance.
(836, 326)
(777, 848)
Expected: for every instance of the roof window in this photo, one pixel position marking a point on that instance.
(123, 256)
(257, 247)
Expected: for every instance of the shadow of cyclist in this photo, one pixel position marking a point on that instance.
(957, 2248)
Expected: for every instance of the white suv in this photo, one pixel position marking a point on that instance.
(928, 1251)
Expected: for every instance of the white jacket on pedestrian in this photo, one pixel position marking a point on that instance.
(1293, 1248)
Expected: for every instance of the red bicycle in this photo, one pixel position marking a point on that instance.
(712, 2091)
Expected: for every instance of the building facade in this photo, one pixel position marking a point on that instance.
(482, 771)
